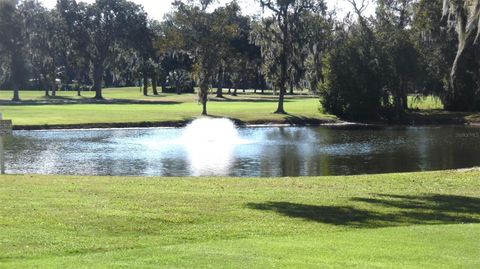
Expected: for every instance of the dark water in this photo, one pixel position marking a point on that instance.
(273, 151)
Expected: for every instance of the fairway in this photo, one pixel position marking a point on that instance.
(248, 134)
(128, 105)
(418, 220)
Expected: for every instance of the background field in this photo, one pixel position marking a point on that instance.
(128, 105)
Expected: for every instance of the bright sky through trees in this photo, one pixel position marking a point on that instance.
(157, 9)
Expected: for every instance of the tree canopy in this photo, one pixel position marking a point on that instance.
(361, 66)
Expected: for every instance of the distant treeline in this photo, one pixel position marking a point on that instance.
(362, 67)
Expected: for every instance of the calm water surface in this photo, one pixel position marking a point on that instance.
(272, 151)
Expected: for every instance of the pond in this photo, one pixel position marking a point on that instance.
(252, 152)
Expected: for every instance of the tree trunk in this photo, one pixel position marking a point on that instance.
(219, 92)
(16, 94)
(16, 69)
(282, 86)
(281, 99)
(203, 92)
(283, 68)
(404, 98)
(97, 80)
(45, 87)
(177, 89)
(145, 85)
(220, 84)
(461, 94)
(203, 99)
(154, 85)
(204, 107)
(54, 87)
(291, 88)
(77, 88)
(234, 93)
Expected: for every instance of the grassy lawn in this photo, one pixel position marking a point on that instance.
(424, 102)
(128, 105)
(418, 220)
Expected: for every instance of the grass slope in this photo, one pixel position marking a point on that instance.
(128, 105)
(418, 220)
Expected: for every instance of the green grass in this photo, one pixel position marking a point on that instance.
(418, 220)
(127, 106)
(130, 106)
(424, 102)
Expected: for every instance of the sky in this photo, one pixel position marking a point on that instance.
(158, 8)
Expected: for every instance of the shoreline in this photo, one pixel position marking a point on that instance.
(179, 124)
(291, 122)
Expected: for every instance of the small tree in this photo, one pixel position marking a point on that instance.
(354, 81)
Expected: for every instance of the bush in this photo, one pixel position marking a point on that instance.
(353, 87)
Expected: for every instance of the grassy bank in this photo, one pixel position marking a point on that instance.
(419, 220)
(127, 105)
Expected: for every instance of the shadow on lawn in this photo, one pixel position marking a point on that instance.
(393, 210)
(69, 101)
(248, 100)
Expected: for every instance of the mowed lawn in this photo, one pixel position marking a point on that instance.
(128, 105)
(417, 220)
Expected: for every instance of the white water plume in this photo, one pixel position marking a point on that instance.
(210, 144)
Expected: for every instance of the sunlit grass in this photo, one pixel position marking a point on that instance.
(418, 220)
(128, 105)
(419, 102)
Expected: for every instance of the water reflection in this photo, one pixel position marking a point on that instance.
(210, 159)
(274, 151)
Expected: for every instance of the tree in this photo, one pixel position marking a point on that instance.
(44, 38)
(394, 35)
(77, 41)
(203, 35)
(147, 56)
(320, 39)
(353, 71)
(463, 92)
(12, 44)
(281, 41)
(436, 47)
(104, 24)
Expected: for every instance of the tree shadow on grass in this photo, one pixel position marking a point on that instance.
(390, 210)
(68, 101)
(248, 100)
